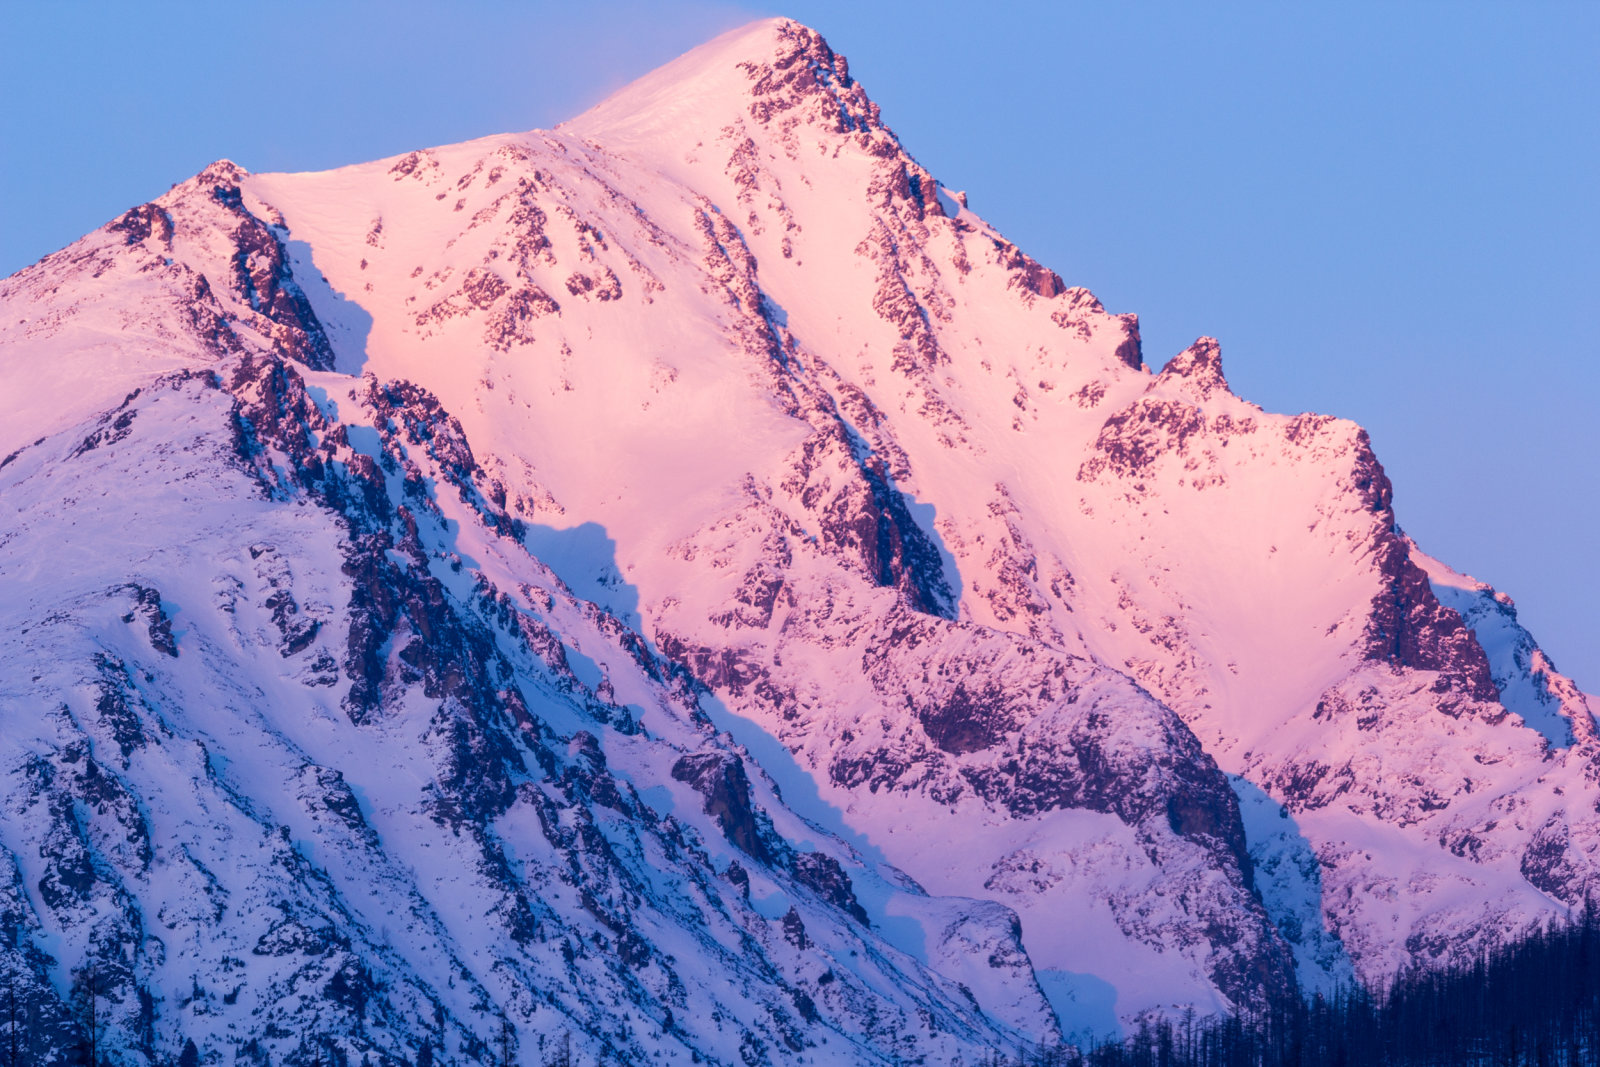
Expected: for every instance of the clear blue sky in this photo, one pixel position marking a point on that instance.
(1386, 211)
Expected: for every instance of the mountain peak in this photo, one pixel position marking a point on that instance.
(1199, 367)
(763, 69)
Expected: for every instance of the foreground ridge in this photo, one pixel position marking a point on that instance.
(682, 586)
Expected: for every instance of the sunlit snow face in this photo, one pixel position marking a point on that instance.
(692, 544)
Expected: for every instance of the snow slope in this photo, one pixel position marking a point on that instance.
(719, 597)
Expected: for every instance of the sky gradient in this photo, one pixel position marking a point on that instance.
(1384, 211)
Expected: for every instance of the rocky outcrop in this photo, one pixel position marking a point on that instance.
(261, 277)
(1197, 370)
(384, 713)
(1408, 626)
(721, 780)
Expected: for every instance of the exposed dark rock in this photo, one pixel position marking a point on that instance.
(1306, 785)
(864, 518)
(273, 409)
(414, 165)
(114, 426)
(1408, 627)
(897, 305)
(116, 704)
(1130, 350)
(109, 798)
(794, 930)
(965, 720)
(324, 790)
(262, 278)
(721, 780)
(144, 221)
(147, 605)
(47, 1027)
(408, 415)
(716, 668)
(513, 323)
(1547, 863)
(297, 630)
(603, 286)
(903, 555)
(70, 874)
(739, 878)
(1211, 816)
(1027, 273)
(1133, 439)
(482, 288)
(205, 318)
(1197, 368)
(807, 75)
(823, 874)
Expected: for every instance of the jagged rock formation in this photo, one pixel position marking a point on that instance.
(684, 584)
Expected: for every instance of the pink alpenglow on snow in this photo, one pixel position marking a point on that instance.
(685, 584)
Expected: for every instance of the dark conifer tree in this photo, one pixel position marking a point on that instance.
(86, 1051)
(506, 1040)
(13, 1024)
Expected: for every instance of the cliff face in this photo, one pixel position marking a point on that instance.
(684, 581)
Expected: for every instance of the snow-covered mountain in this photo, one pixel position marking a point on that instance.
(683, 584)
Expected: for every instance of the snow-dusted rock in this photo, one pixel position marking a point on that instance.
(683, 581)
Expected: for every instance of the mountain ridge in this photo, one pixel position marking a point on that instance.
(928, 634)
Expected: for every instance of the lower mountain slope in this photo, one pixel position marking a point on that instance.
(305, 761)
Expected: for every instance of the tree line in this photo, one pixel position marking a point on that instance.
(1534, 1002)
